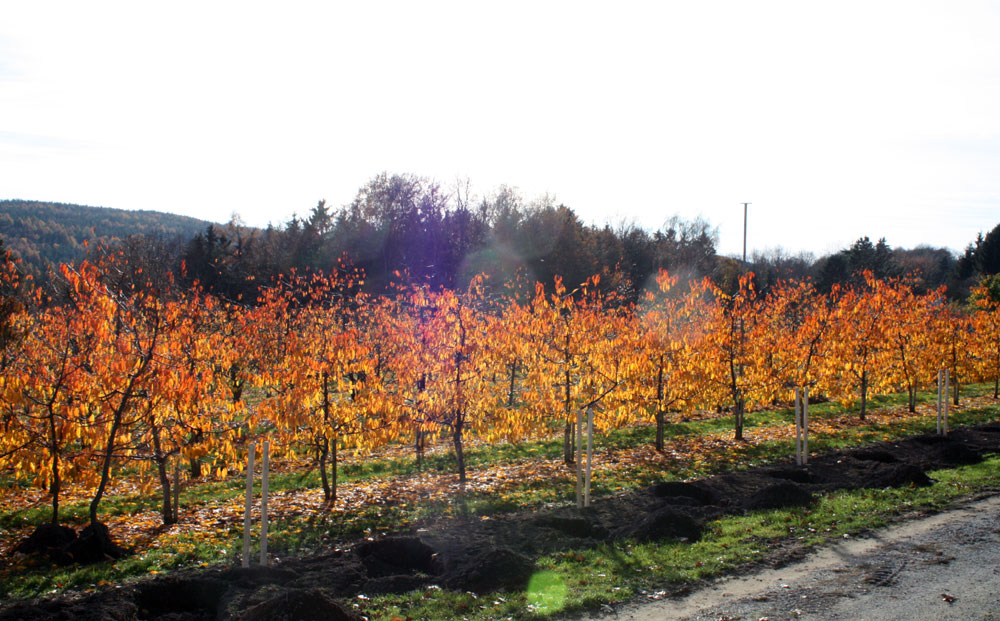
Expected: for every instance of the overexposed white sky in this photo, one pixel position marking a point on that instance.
(835, 119)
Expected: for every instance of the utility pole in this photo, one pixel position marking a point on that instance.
(745, 234)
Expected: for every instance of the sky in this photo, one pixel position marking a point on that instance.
(835, 120)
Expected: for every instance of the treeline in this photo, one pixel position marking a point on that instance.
(402, 229)
(928, 268)
(405, 229)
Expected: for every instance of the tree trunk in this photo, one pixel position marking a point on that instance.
(660, 431)
(195, 467)
(569, 444)
(459, 411)
(738, 418)
(996, 380)
(736, 393)
(510, 390)
(911, 388)
(167, 511)
(56, 484)
(459, 454)
(569, 438)
(954, 368)
(54, 490)
(333, 470)
(419, 447)
(659, 407)
(955, 400)
(328, 494)
(419, 441)
(109, 451)
(177, 490)
(323, 450)
(864, 393)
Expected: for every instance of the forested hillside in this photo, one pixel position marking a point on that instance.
(46, 234)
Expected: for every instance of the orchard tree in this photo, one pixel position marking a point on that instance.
(986, 323)
(403, 332)
(573, 368)
(955, 342)
(47, 423)
(316, 361)
(737, 343)
(123, 366)
(508, 346)
(913, 326)
(803, 322)
(185, 413)
(670, 337)
(861, 344)
(461, 400)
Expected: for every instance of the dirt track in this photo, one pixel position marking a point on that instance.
(943, 566)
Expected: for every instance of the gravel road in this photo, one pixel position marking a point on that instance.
(942, 566)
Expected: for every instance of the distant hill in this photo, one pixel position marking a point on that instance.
(46, 234)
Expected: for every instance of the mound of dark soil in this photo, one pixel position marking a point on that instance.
(298, 605)
(489, 570)
(664, 523)
(882, 457)
(893, 475)
(580, 527)
(61, 545)
(49, 540)
(393, 584)
(101, 607)
(393, 556)
(94, 545)
(250, 577)
(786, 494)
(950, 450)
(161, 596)
(680, 489)
(731, 489)
(798, 474)
(959, 454)
(340, 574)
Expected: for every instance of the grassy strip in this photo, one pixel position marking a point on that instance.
(609, 573)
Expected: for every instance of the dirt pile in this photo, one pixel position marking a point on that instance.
(297, 605)
(481, 555)
(61, 545)
(778, 495)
